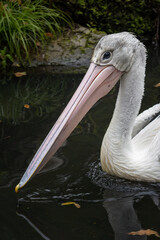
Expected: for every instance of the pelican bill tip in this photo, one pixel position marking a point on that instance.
(17, 188)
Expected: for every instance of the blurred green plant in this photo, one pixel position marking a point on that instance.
(141, 17)
(4, 56)
(24, 26)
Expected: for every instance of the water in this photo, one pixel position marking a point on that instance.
(110, 208)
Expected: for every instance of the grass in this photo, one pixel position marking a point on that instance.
(24, 25)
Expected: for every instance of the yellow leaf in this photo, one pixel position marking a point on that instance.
(20, 74)
(70, 203)
(26, 106)
(157, 85)
(147, 232)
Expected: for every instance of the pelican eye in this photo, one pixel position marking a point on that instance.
(106, 56)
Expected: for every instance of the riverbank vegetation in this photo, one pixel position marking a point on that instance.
(26, 25)
(141, 17)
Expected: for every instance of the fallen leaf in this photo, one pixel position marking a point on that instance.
(70, 203)
(48, 34)
(26, 106)
(20, 74)
(6, 137)
(147, 232)
(38, 44)
(15, 64)
(157, 85)
(5, 6)
(20, 2)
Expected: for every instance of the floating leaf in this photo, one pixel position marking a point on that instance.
(26, 106)
(20, 74)
(147, 232)
(70, 203)
(157, 85)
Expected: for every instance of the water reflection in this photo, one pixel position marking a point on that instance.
(122, 217)
(33, 226)
(94, 191)
(47, 217)
(110, 207)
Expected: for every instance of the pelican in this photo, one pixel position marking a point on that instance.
(131, 145)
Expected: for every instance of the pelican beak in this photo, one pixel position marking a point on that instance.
(97, 82)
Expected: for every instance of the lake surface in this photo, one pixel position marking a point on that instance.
(110, 208)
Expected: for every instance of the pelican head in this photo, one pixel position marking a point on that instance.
(113, 57)
(119, 50)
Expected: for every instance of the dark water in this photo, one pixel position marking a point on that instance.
(110, 207)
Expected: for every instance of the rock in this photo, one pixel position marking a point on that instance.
(74, 48)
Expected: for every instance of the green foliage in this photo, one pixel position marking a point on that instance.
(4, 56)
(115, 15)
(22, 25)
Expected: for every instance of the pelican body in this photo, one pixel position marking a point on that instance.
(131, 145)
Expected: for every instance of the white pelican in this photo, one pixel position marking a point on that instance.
(131, 145)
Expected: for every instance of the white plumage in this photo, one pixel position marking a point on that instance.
(131, 145)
